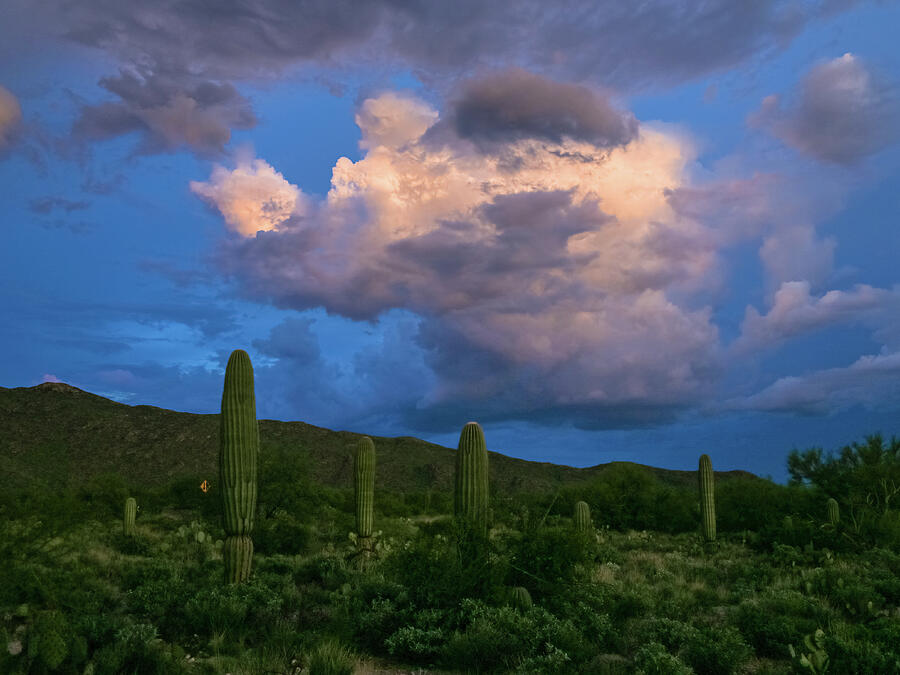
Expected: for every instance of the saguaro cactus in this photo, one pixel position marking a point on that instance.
(834, 512)
(520, 598)
(583, 517)
(707, 499)
(364, 486)
(238, 458)
(470, 496)
(130, 513)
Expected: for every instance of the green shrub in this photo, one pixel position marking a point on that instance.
(543, 559)
(330, 657)
(716, 651)
(237, 610)
(416, 644)
(654, 659)
(281, 533)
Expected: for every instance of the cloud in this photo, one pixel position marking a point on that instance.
(795, 311)
(872, 381)
(167, 112)
(543, 283)
(179, 59)
(662, 40)
(794, 253)
(392, 120)
(840, 114)
(50, 378)
(253, 197)
(508, 106)
(10, 116)
(46, 205)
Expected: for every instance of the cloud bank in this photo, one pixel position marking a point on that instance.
(179, 59)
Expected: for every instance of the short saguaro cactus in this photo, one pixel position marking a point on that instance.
(364, 487)
(582, 517)
(707, 499)
(470, 494)
(130, 513)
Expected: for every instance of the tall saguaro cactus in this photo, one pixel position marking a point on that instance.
(238, 458)
(130, 513)
(834, 512)
(364, 486)
(707, 499)
(582, 517)
(470, 495)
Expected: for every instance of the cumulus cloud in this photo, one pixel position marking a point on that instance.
(543, 283)
(841, 112)
(252, 197)
(872, 380)
(392, 120)
(10, 116)
(795, 311)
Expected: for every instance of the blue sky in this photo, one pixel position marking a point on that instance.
(615, 232)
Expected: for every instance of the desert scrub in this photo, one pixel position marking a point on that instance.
(500, 638)
(330, 657)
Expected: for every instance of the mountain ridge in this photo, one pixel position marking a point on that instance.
(60, 434)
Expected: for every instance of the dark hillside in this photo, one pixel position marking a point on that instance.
(56, 434)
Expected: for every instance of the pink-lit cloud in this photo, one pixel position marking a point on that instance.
(10, 116)
(252, 197)
(553, 258)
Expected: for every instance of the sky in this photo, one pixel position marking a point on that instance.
(605, 231)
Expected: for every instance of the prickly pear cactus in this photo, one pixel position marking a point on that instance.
(707, 499)
(364, 486)
(238, 459)
(582, 517)
(130, 513)
(470, 495)
(834, 512)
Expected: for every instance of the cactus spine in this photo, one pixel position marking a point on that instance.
(364, 486)
(834, 512)
(238, 457)
(130, 513)
(583, 517)
(470, 495)
(707, 499)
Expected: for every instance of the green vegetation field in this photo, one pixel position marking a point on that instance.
(781, 590)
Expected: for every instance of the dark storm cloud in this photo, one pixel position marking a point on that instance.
(841, 113)
(173, 51)
(510, 105)
(169, 112)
